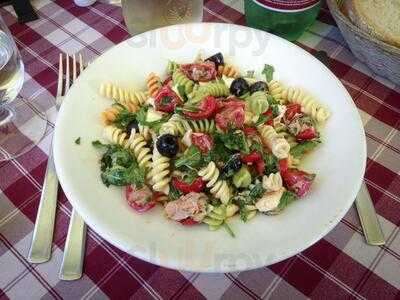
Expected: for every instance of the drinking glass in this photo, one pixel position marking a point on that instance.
(22, 125)
(144, 15)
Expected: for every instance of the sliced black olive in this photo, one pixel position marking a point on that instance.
(239, 87)
(217, 59)
(259, 86)
(167, 145)
(132, 125)
(232, 165)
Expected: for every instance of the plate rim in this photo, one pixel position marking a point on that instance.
(174, 264)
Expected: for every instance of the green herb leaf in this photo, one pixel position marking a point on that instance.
(271, 163)
(166, 100)
(235, 140)
(191, 158)
(78, 141)
(256, 147)
(174, 194)
(123, 119)
(268, 71)
(256, 192)
(262, 119)
(299, 150)
(275, 110)
(286, 199)
(141, 116)
(271, 100)
(98, 144)
(228, 229)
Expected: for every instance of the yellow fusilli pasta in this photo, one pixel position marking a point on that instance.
(153, 83)
(276, 90)
(219, 188)
(278, 145)
(125, 97)
(159, 175)
(308, 104)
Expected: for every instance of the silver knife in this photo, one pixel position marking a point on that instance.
(369, 221)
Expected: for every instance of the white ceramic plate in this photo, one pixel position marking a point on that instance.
(339, 162)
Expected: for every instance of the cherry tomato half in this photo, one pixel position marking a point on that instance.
(291, 111)
(167, 100)
(140, 200)
(188, 222)
(298, 181)
(202, 141)
(251, 158)
(307, 134)
(206, 110)
(283, 165)
(200, 72)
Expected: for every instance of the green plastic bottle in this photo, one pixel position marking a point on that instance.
(288, 19)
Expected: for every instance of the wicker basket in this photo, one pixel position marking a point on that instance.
(382, 58)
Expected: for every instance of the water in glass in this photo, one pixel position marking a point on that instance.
(11, 69)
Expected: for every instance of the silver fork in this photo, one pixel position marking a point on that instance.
(42, 239)
(74, 250)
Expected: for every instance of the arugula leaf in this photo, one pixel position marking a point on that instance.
(78, 141)
(190, 176)
(173, 194)
(141, 117)
(300, 149)
(122, 158)
(256, 192)
(262, 119)
(191, 158)
(271, 100)
(228, 229)
(98, 144)
(121, 176)
(286, 199)
(124, 118)
(219, 152)
(256, 147)
(268, 71)
(182, 92)
(235, 140)
(271, 163)
(275, 110)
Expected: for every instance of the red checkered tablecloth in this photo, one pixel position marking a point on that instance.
(341, 265)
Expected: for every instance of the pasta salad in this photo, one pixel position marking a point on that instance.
(208, 142)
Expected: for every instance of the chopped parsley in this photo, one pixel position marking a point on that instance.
(268, 71)
(78, 141)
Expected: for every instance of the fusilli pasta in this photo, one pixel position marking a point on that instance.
(215, 89)
(153, 84)
(122, 96)
(276, 90)
(308, 104)
(278, 145)
(219, 188)
(159, 174)
(228, 71)
(179, 78)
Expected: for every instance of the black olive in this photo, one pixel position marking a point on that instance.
(132, 125)
(167, 145)
(217, 59)
(239, 87)
(258, 86)
(232, 165)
